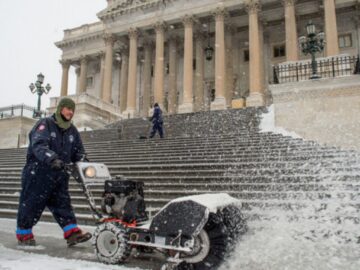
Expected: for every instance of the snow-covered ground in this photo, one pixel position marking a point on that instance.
(269, 245)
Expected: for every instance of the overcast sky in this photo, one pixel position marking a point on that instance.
(28, 31)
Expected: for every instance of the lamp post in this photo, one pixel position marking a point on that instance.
(39, 90)
(312, 44)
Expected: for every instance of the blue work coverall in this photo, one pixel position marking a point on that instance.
(157, 122)
(43, 186)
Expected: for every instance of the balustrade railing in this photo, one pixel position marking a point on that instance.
(19, 110)
(326, 68)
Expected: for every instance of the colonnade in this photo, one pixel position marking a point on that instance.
(193, 99)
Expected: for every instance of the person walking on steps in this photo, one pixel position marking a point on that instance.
(53, 142)
(157, 122)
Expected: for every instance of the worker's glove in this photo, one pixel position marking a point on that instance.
(57, 164)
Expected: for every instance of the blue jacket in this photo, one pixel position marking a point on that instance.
(48, 142)
(157, 115)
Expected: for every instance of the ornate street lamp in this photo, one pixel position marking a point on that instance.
(39, 90)
(312, 44)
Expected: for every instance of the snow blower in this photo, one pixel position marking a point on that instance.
(194, 232)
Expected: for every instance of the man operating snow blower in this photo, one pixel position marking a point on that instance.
(54, 141)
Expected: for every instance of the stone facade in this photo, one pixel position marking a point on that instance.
(325, 110)
(127, 59)
(15, 130)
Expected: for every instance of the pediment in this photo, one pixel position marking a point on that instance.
(119, 7)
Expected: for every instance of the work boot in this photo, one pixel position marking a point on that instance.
(77, 237)
(30, 242)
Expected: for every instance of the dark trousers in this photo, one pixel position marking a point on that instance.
(44, 188)
(157, 127)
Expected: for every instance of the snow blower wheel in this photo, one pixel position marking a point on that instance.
(213, 244)
(110, 243)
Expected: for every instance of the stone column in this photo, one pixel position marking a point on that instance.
(83, 73)
(290, 31)
(65, 77)
(220, 102)
(229, 83)
(123, 79)
(101, 58)
(256, 97)
(77, 72)
(331, 33)
(199, 72)
(187, 102)
(109, 44)
(159, 65)
(131, 90)
(149, 47)
(172, 104)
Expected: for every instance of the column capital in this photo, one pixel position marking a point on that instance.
(65, 63)
(288, 3)
(100, 54)
(252, 6)
(188, 20)
(160, 26)
(84, 59)
(220, 13)
(134, 33)
(109, 39)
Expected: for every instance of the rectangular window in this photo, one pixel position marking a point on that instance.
(246, 56)
(345, 41)
(89, 82)
(279, 50)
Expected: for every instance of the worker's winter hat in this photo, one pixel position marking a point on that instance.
(66, 102)
(61, 121)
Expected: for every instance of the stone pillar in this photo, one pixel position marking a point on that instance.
(256, 97)
(199, 72)
(123, 79)
(131, 90)
(77, 72)
(65, 77)
(331, 33)
(172, 104)
(149, 47)
(187, 102)
(101, 57)
(290, 31)
(109, 44)
(220, 102)
(159, 65)
(229, 67)
(83, 73)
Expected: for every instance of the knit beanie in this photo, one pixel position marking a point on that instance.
(61, 121)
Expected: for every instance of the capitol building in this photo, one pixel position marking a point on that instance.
(192, 56)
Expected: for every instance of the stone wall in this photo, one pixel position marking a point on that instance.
(15, 130)
(324, 110)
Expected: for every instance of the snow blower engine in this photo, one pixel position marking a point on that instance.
(124, 200)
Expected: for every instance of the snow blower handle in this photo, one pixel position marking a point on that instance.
(72, 170)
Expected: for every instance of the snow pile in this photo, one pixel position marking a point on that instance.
(268, 124)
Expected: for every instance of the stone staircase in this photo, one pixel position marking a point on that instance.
(225, 153)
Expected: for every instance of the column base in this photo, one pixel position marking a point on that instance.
(218, 104)
(255, 99)
(129, 113)
(186, 108)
